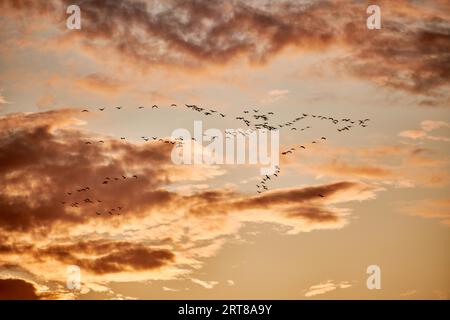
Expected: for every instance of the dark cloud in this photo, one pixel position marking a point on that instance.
(40, 162)
(101, 257)
(17, 289)
(409, 53)
(306, 204)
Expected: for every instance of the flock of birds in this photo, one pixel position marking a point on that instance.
(89, 200)
(253, 119)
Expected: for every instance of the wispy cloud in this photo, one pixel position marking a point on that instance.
(326, 287)
(3, 99)
(205, 284)
(275, 95)
(426, 127)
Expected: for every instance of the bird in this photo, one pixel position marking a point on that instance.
(122, 138)
(87, 142)
(323, 138)
(85, 110)
(135, 176)
(173, 105)
(155, 106)
(101, 109)
(101, 141)
(118, 108)
(141, 107)
(321, 195)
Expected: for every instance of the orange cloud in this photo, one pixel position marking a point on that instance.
(17, 289)
(426, 127)
(100, 83)
(431, 208)
(168, 227)
(194, 34)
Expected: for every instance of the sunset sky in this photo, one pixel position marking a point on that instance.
(203, 231)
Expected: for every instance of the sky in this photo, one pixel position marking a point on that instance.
(376, 193)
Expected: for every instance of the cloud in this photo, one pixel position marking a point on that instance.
(426, 127)
(430, 208)
(170, 289)
(2, 99)
(100, 83)
(404, 55)
(104, 257)
(326, 287)
(205, 284)
(45, 102)
(160, 230)
(399, 165)
(17, 289)
(274, 95)
(341, 168)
